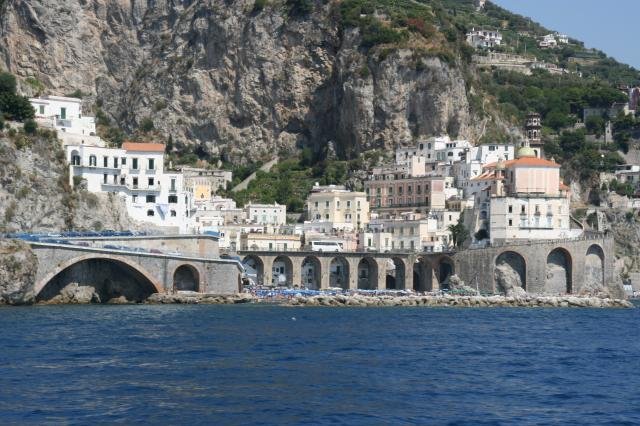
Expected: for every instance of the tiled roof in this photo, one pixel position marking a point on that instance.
(526, 162)
(143, 147)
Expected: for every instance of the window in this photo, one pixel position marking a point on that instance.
(151, 182)
(173, 184)
(93, 161)
(151, 198)
(150, 213)
(510, 209)
(122, 181)
(104, 178)
(173, 199)
(41, 109)
(338, 204)
(75, 160)
(134, 163)
(316, 204)
(173, 213)
(326, 216)
(326, 204)
(115, 179)
(510, 222)
(151, 164)
(63, 113)
(105, 161)
(124, 161)
(134, 198)
(522, 209)
(348, 204)
(135, 182)
(390, 190)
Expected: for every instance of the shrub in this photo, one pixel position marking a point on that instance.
(299, 8)
(30, 126)
(146, 124)
(75, 94)
(7, 82)
(259, 5)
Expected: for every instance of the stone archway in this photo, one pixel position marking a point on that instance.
(186, 278)
(339, 273)
(558, 279)
(510, 273)
(367, 274)
(444, 269)
(96, 279)
(282, 272)
(422, 275)
(396, 274)
(311, 273)
(594, 268)
(254, 269)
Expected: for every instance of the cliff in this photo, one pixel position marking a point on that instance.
(17, 273)
(231, 75)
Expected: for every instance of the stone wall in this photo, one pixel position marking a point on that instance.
(583, 265)
(196, 245)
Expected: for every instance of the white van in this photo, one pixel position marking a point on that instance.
(327, 246)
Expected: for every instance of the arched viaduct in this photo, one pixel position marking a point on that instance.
(133, 274)
(557, 267)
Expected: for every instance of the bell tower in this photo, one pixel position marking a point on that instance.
(533, 133)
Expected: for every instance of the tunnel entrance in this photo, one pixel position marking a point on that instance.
(97, 280)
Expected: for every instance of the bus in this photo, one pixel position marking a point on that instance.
(328, 246)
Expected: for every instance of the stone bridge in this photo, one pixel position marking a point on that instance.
(563, 266)
(133, 274)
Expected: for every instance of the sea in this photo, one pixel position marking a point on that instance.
(275, 365)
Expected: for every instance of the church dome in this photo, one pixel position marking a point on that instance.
(526, 152)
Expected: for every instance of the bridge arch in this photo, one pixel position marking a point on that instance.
(282, 271)
(444, 268)
(559, 270)
(594, 267)
(79, 269)
(368, 273)
(186, 278)
(396, 274)
(339, 272)
(510, 270)
(254, 268)
(311, 272)
(422, 275)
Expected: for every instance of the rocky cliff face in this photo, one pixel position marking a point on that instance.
(17, 273)
(245, 83)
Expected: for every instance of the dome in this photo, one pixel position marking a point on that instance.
(526, 151)
(500, 165)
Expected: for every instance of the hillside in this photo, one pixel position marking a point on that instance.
(235, 83)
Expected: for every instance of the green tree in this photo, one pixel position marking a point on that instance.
(595, 124)
(7, 83)
(459, 234)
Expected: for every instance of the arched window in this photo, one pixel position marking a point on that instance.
(150, 212)
(92, 161)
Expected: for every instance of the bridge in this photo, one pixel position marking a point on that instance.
(562, 266)
(133, 271)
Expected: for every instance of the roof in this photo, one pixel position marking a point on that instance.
(564, 187)
(526, 162)
(143, 147)
(486, 175)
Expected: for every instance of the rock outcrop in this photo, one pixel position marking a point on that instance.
(17, 273)
(227, 75)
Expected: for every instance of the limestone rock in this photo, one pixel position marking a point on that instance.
(223, 77)
(18, 268)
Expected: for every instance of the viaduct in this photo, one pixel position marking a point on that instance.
(562, 266)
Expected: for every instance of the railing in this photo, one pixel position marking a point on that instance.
(586, 236)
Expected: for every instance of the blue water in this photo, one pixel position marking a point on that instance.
(257, 365)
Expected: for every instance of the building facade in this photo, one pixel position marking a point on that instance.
(344, 210)
(136, 173)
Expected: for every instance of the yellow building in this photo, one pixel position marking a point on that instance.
(343, 210)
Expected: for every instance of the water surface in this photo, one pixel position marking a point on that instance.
(276, 365)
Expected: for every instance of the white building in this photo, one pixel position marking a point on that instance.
(135, 172)
(524, 199)
(433, 150)
(484, 38)
(562, 38)
(65, 115)
(266, 214)
(548, 41)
